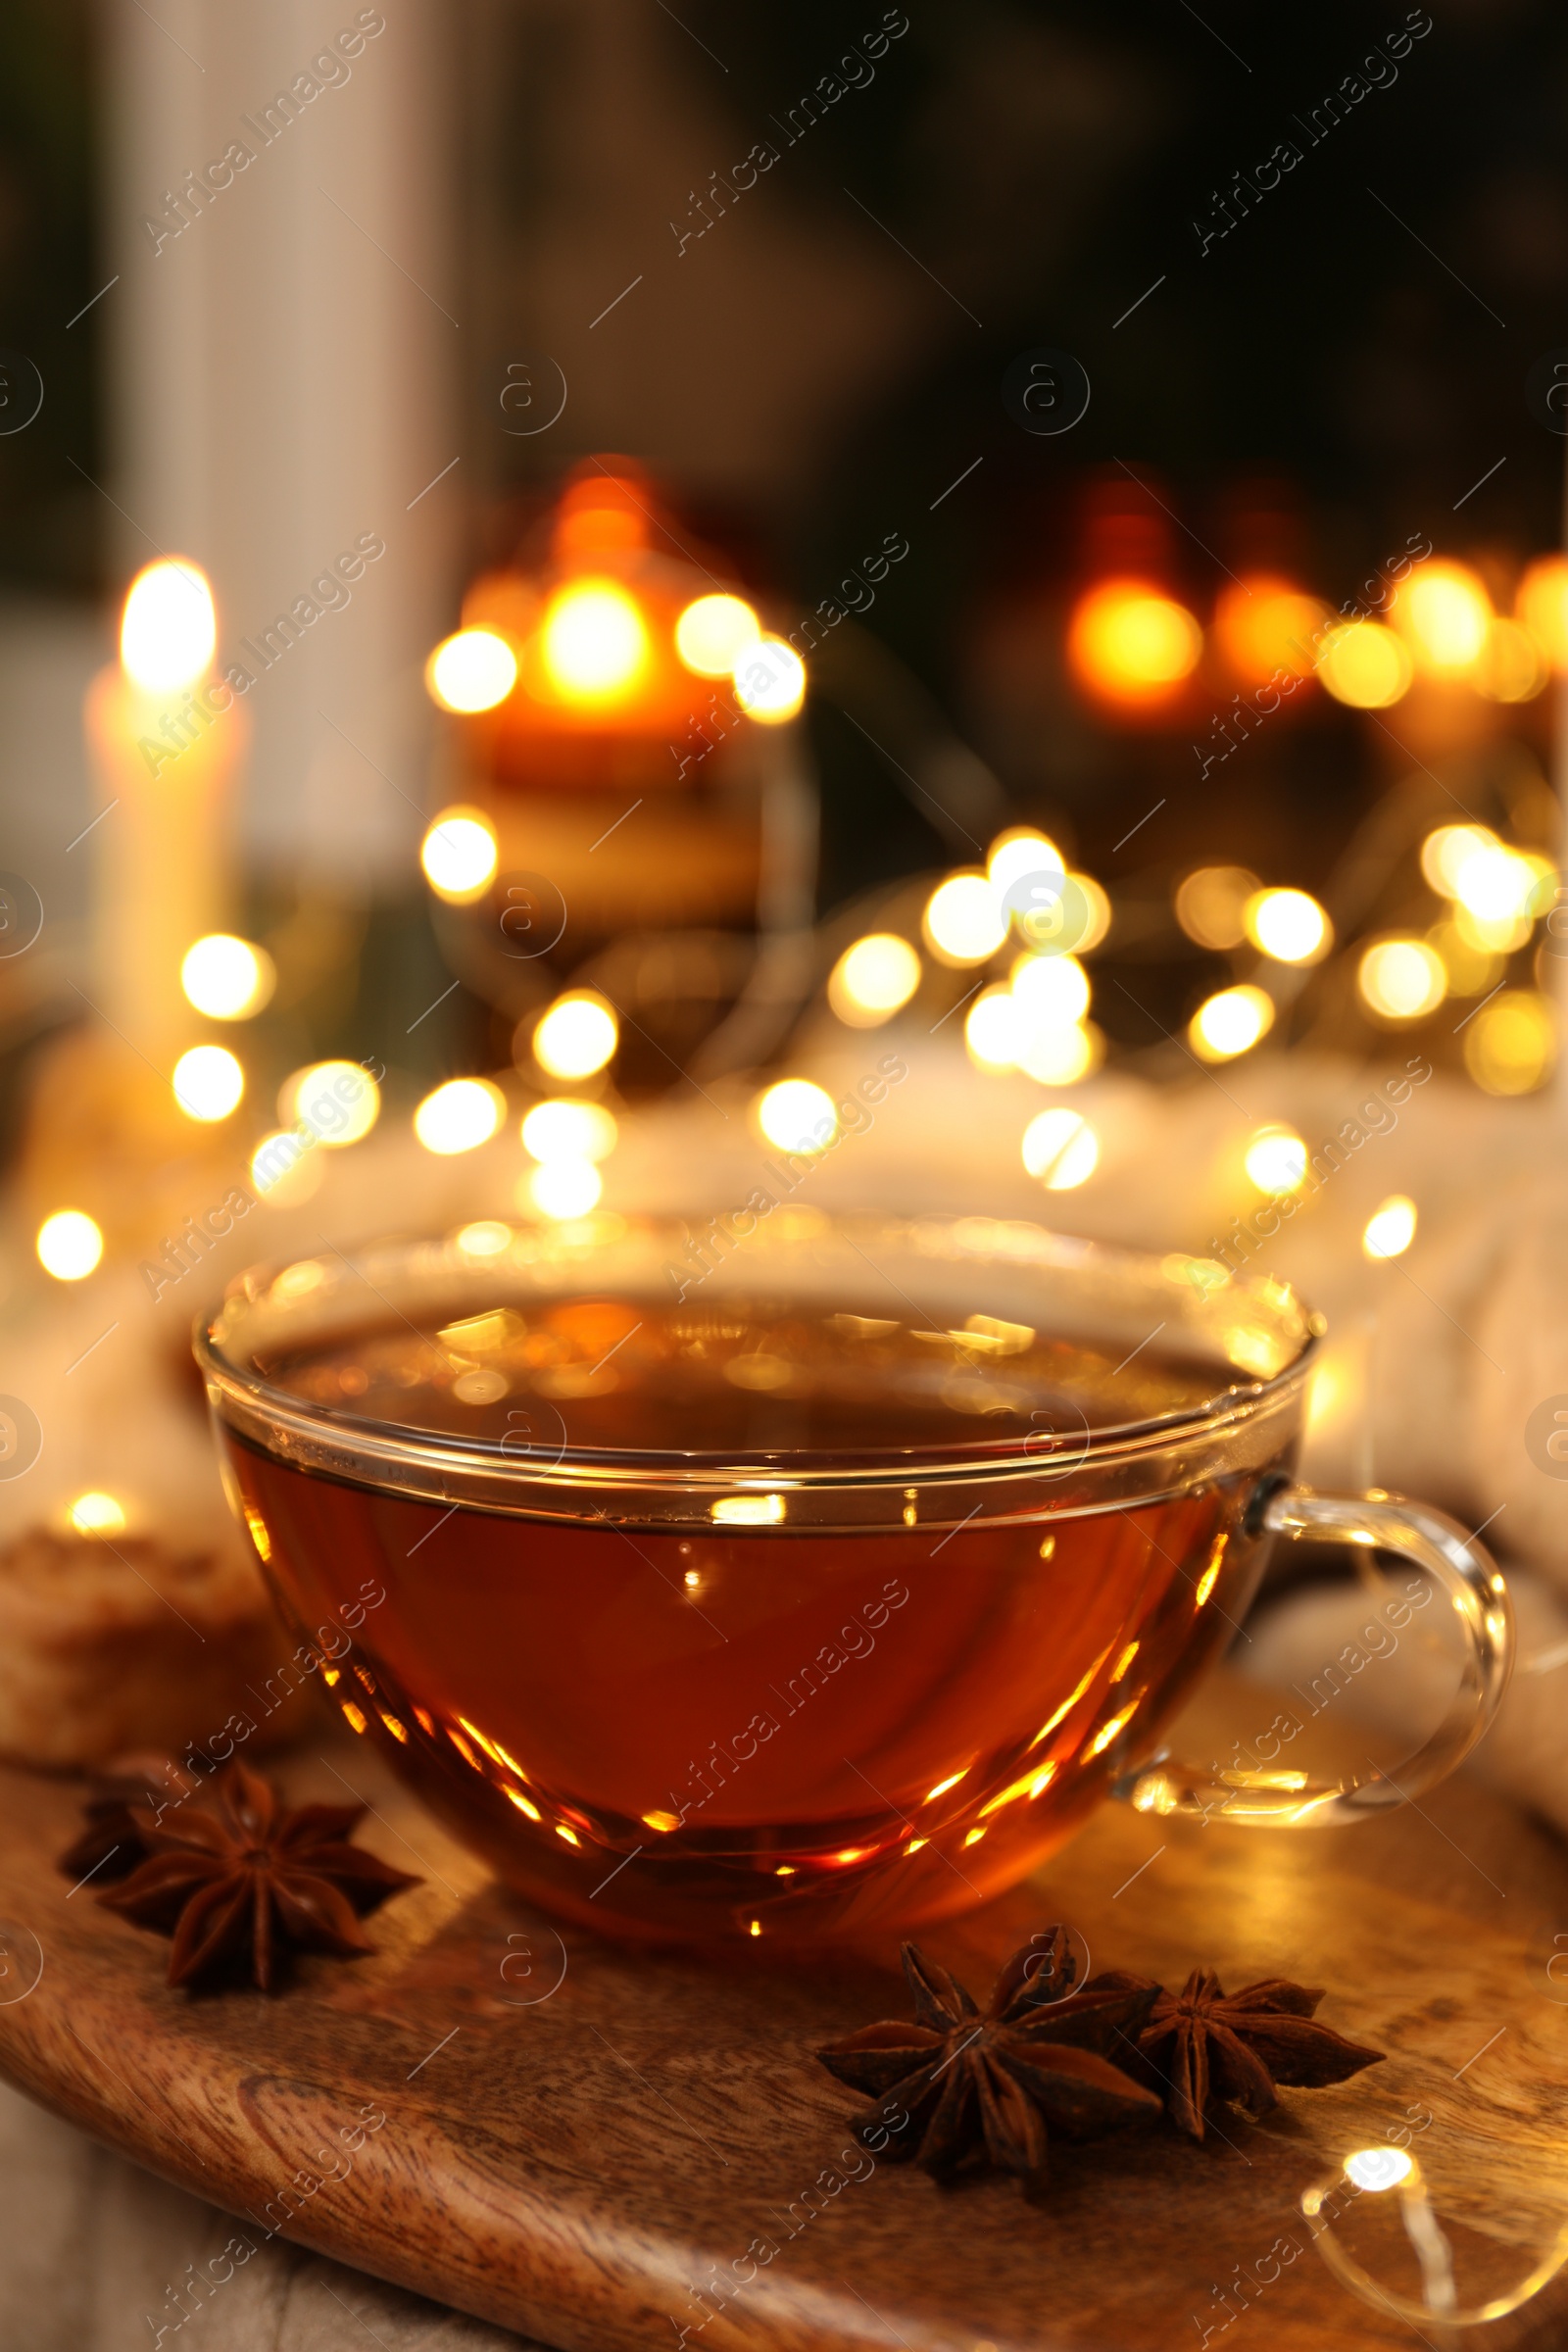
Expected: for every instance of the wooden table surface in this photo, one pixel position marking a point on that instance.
(572, 2136)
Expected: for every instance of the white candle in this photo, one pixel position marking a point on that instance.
(166, 741)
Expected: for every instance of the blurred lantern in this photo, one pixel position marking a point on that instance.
(1512, 1042)
(1401, 979)
(1265, 624)
(1541, 605)
(1131, 644)
(620, 755)
(1442, 613)
(873, 979)
(1230, 1023)
(1365, 665)
(1287, 925)
(1212, 904)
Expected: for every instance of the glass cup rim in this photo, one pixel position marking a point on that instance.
(380, 1454)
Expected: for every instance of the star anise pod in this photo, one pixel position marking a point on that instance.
(243, 1878)
(109, 1843)
(1205, 2046)
(958, 2085)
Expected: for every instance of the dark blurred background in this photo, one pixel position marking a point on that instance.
(1301, 377)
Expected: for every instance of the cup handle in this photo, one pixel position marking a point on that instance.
(1277, 1798)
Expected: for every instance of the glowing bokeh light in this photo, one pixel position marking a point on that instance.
(1365, 665)
(169, 630)
(1276, 1160)
(1444, 852)
(472, 670)
(1096, 911)
(1061, 1149)
(1378, 2169)
(69, 1243)
(227, 978)
(1390, 1229)
(1473, 969)
(769, 681)
(873, 979)
(338, 1100)
(1495, 884)
(577, 1035)
(994, 1028)
(1401, 979)
(797, 1115)
(1444, 613)
(97, 1514)
(459, 1117)
(963, 920)
(1055, 1056)
(1020, 852)
(1129, 643)
(713, 634)
(283, 1172)
(1212, 904)
(459, 855)
(565, 1188)
(209, 1083)
(563, 1130)
(1264, 624)
(1511, 1044)
(1542, 604)
(1230, 1022)
(1052, 989)
(1511, 667)
(593, 643)
(1287, 925)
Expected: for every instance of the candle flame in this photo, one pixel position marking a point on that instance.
(169, 627)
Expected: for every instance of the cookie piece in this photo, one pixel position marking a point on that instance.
(109, 1646)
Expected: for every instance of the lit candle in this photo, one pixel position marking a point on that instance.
(165, 740)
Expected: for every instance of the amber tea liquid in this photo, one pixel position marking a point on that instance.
(744, 1727)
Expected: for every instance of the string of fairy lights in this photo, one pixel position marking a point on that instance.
(1026, 924)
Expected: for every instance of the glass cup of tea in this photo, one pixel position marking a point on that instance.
(795, 1583)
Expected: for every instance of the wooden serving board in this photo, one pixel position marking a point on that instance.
(575, 2136)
